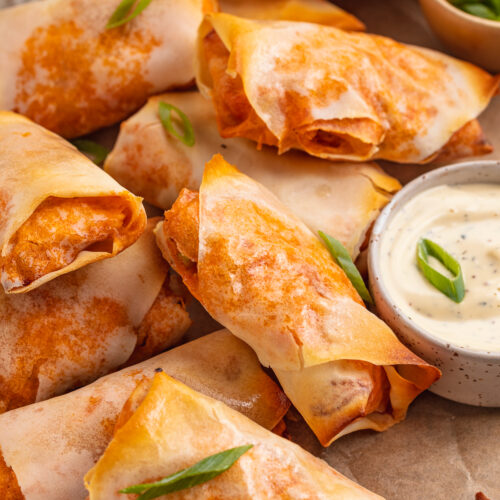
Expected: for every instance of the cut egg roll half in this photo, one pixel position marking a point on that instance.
(46, 448)
(85, 324)
(66, 70)
(58, 211)
(174, 427)
(340, 95)
(342, 200)
(259, 271)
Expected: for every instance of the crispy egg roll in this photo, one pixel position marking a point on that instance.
(85, 324)
(175, 427)
(63, 69)
(259, 271)
(58, 211)
(343, 199)
(311, 11)
(46, 448)
(340, 95)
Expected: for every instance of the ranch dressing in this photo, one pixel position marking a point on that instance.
(465, 221)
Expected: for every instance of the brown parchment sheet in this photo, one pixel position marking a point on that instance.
(443, 450)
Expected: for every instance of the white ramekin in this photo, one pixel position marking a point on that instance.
(471, 377)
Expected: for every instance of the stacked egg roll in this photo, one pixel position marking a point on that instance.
(65, 70)
(259, 271)
(85, 324)
(342, 199)
(58, 211)
(340, 95)
(180, 427)
(46, 448)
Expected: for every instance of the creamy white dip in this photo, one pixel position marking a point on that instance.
(465, 221)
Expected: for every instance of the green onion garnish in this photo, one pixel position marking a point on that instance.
(454, 288)
(343, 259)
(487, 9)
(94, 151)
(120, 17)
(199, 473)
(165, 112)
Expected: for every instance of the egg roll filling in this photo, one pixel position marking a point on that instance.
(163, 326)
(60, 228)
(344, 390)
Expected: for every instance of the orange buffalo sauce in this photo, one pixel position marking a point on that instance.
(61, 228)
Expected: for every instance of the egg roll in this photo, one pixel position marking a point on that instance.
(311, 11)
(85, 324)
(342, 200)
(340, 95)
(259, 271)
(65, 70)
(175, 427)
(46, 448)
(58, 211)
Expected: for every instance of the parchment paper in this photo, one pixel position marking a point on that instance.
(443, 450)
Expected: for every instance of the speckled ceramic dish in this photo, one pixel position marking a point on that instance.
(469, 37)
(471, 377)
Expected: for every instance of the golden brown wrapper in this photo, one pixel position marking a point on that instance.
(49, 446)
(88, 323)
(58, 211)
(259, 271)
(342, 200)
(65, 70)
(340, 95)
(181, 427)
(311, 11)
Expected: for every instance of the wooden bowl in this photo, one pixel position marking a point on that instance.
(468, 37)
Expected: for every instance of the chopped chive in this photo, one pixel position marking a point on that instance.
(165, 113)
(343, 259)
(454, 288)
(96, 152)
(199, 473)
(120, 17)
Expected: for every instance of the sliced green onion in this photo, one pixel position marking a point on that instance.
(199, 473)
(165, 113)
(479, 10)
(487, 9)
(454, 288)
(343, 259)
(94, 151)
(119, 16)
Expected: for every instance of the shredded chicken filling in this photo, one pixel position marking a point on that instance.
(61, 228)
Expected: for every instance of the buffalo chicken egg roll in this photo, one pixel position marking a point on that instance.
(258, 270)
(58, 211)
(46, 448)
(342, 200)
(311, 11)
(175, 427)
(85, 324)
(340, 95)
(63, 68)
